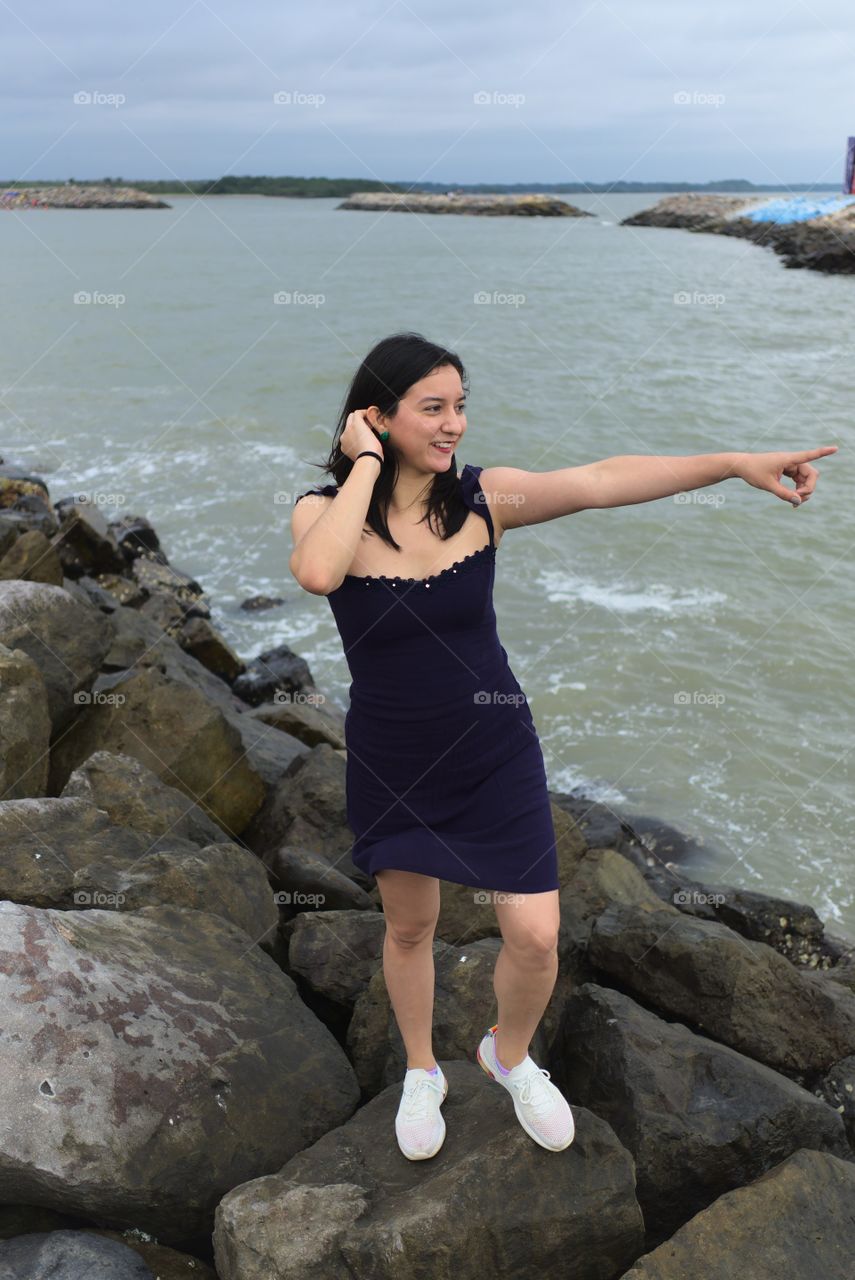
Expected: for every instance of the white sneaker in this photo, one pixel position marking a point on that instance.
(541, 1108)
(419, 1125)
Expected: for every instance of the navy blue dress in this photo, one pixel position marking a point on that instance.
(445, 773)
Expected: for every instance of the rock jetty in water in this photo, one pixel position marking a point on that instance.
(201, 1065)
(534, 205)
(75, 197)
(813, 232)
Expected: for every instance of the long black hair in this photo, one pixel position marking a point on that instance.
(386, 374)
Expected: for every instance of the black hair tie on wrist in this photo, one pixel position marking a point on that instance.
(369, 453)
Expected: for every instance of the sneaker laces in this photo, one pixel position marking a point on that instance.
(416, 1099)
(533, 1091)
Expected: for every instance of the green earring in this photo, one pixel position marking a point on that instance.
(384, 435)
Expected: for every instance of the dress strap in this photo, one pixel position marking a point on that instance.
(328, 490)
(475, 497)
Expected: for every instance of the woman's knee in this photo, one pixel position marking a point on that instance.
(411, 906)
(530, 926)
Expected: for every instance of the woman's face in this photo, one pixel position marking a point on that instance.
(433, 410)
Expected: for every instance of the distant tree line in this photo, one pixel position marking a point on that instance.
(340, 187)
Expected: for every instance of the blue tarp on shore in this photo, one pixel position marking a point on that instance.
(797, 208)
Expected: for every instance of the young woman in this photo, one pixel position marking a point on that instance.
(445, 776)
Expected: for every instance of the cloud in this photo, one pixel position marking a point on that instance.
(593, 91)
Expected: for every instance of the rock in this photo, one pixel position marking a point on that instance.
(85, 543)
(10, 530)
(352, 1205)
(140, 644)
(198, 638)
(254, 604)
(64, 853)
(793, 929)
(690, 209)
(153, 1062)
(795, 1220)
(70, 1255)
(526, 205)
(24, 727)
(174, 731)
(118, 590)
(825, 242)
(304, 880)
(698, 1118)
(601, 877)
(337, 952)
(71, 196)
(307, 809)
(165, 1263)
(136, 537)
(278, 670)
(16, 483)
(153, 575)
(838, 1090)
(65, 640)
(134, 796)
(34, 558)
(739, 992)
(305, 716)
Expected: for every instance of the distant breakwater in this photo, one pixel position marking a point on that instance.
(529, 205)
(78, 197)
(825, 242)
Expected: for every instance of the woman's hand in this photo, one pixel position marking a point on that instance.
(358, 434)
(764, 471)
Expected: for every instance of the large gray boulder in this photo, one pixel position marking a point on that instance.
(739, 992)
(490, 1203)
(66, 640)
(24, 726)
(176, 732)
(796, 1221)
(153, 1061)
(63, 852)
(698, 1117)
(70, 1255)
(134, 796)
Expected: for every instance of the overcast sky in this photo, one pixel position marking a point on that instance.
(551, 91)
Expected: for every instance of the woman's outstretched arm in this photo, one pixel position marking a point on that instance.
(521, 498)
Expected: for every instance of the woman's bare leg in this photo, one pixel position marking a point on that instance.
(526, 968)
(411, 907)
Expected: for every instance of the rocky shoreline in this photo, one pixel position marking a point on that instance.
(201, 1066)
(825, 243)
(531, 205)
(78, 197)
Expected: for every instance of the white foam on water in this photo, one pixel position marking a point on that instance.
(657, 596)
